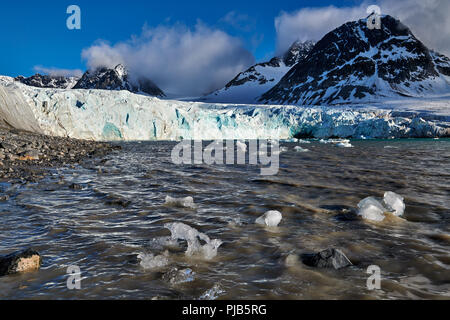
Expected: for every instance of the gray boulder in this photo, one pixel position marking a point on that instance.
(330, 258)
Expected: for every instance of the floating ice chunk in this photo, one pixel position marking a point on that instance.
(371, 209)
(192, 236)
(277, 152)
(371, 201)
(300, 149)
(303, 141)
(187, 202)
(150, 261)
(394, 203)
(241, 146)
(371, 212)
(338, 142)
(209, 250)
(270, 218)
(175, 276)
(213, 293)
(344, 145)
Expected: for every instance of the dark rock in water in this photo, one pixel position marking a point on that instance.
(20, 261)
(330, 258)
(117, 201)
(76, 186)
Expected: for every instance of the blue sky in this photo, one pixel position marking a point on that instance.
(34, 32)
(187, 47)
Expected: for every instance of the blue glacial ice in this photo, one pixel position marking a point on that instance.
(122, 115)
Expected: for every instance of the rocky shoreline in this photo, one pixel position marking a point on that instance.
(26, 157)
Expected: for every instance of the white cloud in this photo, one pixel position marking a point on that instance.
(312, 23)
(239, 21)
(58, 72)
(428, 19)
(178, 59)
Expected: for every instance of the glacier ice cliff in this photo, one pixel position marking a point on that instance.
(122, 115)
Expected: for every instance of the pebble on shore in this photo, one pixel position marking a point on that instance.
(24, 155)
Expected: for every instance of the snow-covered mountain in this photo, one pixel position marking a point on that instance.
(354, 64)
(249, 85)
(46, 81)
(117, 79)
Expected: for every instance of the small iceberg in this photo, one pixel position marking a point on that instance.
(341, 143)
(394, 203)
(242, 146)
(344, 145)
(213, 293)
(372, 209)
(270, 219)
(175, 276)
(150, 261)
(181, 231)
(300, 149)
(187, 202)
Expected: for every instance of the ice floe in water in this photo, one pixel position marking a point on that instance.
(394, 203)
(241, 146)
(175, 276)
(341, 143)
(344, 145)
(270, 218)
(213, 293)
(187, 202)
(181, 231)
(372, 209)
(300, 149)
(150, 261)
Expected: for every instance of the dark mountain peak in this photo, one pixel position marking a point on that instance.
(354, 62)
(298, 51)
(46, 81)
(117, 78)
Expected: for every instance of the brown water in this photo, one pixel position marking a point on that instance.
(97, 229)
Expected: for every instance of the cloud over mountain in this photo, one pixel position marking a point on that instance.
(428, 19)
(179, 59)
(56, 72)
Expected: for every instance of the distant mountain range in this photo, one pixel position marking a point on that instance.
(44, 81)
(101, 78)
(351, 64)
(249, 85)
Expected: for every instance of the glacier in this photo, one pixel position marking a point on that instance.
(103, 115)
